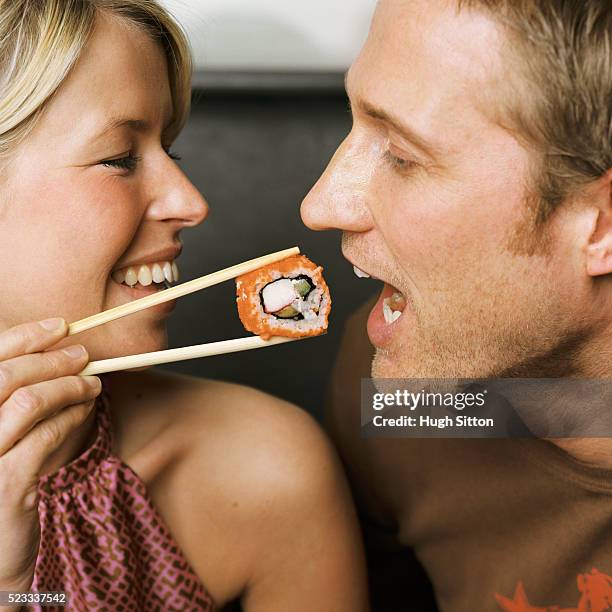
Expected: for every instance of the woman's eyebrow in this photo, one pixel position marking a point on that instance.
(136, 125)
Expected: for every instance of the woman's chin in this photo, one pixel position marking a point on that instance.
(155, 340)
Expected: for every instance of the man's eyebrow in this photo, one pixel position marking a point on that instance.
(399, 126)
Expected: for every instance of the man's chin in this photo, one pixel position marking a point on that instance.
(398, 364)
(386, 365)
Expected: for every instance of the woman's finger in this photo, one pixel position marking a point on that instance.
(29, 405)
(31, 337)
(27, 370)
(26, 459)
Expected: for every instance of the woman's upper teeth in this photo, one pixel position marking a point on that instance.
(146, 274)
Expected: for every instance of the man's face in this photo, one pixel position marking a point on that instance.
(431, 194)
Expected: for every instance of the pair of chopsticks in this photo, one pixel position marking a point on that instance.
(187, 352)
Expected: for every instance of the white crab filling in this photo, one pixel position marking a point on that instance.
(393, 307)
(279, 294)
(161, 272)
(283, 293)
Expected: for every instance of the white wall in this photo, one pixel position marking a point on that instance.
(282, 35)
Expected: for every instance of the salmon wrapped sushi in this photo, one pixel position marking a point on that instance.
(288, 298)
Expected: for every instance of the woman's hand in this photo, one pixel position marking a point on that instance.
(42, 401)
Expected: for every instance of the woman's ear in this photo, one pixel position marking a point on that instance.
(599, 249)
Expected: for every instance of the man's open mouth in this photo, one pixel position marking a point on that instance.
(393, 305)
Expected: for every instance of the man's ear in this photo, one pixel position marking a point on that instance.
(599, 249)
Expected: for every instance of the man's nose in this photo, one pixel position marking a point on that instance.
(175, 198)
(339, 200)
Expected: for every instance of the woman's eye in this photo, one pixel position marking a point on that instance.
(398, 162)
(129, 162)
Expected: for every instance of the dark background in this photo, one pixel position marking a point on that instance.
(254, 156)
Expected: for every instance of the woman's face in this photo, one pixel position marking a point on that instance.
(71, 215)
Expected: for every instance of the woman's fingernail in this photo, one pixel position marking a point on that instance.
(77, 351)
(94, 382)
(52, 324)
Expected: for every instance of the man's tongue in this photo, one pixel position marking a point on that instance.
(383, 320)
(393, 303)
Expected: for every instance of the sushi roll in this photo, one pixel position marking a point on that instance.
(288, 298)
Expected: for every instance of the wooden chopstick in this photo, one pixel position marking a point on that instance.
(181, 354)
(179, 291)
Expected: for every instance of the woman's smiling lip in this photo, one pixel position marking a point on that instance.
(167, 254)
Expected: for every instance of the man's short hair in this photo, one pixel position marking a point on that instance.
(559, 99)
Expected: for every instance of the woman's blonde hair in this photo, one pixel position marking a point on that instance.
(41, 40)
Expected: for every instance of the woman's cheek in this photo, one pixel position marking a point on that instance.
(109, 220)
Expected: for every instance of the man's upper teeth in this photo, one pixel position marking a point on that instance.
(360, 273)
(145, 274)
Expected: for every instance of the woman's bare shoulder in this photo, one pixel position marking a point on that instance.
(239, 430)
(272, 484)
(202, 412)
(248, 470)
(168, 398)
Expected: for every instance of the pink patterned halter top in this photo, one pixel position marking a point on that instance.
(104, 543)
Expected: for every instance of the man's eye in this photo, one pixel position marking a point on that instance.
(397, 162)
(129, 162)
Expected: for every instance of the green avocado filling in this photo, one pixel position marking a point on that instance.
(287, 313)
(302, 287)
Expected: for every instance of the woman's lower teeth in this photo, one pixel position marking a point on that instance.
(159, 286)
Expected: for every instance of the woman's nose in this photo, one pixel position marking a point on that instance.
(177, 198)
(339, 200)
